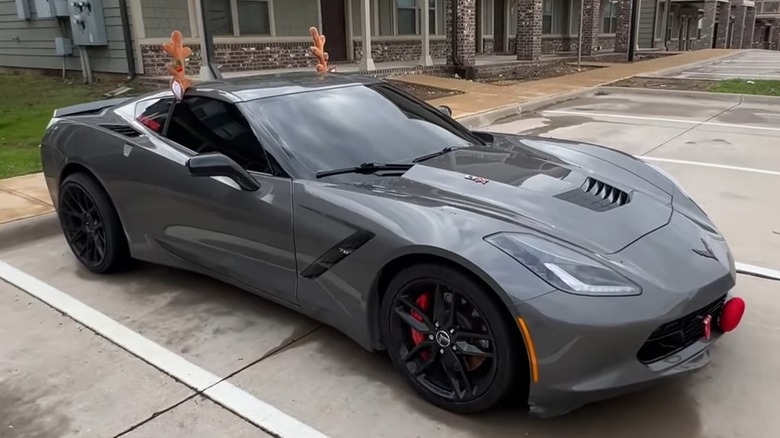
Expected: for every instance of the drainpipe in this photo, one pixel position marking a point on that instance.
(128, 40)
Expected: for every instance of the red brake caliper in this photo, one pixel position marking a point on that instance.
(424, 302)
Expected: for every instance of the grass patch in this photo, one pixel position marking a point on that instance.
(26, 106)
(739, 86)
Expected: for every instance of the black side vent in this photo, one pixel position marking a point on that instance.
(124, 130)
(596, 195)
(336, 253)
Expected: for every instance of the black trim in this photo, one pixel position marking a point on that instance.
(337, 253)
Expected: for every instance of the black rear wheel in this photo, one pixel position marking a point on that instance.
(450, 338)
(91, 225)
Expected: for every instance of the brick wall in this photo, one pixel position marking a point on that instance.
(410, 50)
(557, 45)
(623, 31)
(606, 43)
(234, 57)
(529, 33)
(739, 26)
(487, 46)
(724, 14)
(590, 26)
(750, 22)
(466, 31)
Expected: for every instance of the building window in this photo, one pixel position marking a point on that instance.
(254, 17)
(555, 17)
(547, 17)
(432, 17)
(609, 16)
(406, 16)
(487, 18)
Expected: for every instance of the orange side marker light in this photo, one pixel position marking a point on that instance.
(529, 343)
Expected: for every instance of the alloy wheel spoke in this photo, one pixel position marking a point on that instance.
(425, 320)
(439, 307)
(407, 318)
(424, 366)
(456, 373)
(469, 349)
(417, 349)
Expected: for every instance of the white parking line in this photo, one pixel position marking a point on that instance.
(232, 398)
(717, 166)
(758, 270)
(658, 119)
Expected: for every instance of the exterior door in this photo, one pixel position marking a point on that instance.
(334, 27)
(209, 222)
(499, 29)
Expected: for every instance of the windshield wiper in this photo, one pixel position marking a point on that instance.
(436, 154)
(365, 168)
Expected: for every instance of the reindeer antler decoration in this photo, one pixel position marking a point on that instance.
(179, 82)
(318, 50)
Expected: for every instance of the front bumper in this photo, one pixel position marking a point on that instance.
(588, 348)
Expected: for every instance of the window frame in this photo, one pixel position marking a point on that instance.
(234, 17)
(613, 19)
(435, 13)
(556, 12)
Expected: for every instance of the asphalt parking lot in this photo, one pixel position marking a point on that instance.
(746, 64)
(60, 379)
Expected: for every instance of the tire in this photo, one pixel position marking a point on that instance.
(116, 255)
(510, 372)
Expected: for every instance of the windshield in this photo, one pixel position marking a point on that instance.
(343, 127)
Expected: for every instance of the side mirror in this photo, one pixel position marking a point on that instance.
(447, 111)
(216, 164)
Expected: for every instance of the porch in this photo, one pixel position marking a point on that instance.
(269, 35)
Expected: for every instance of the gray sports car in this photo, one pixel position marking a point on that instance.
(485, 265)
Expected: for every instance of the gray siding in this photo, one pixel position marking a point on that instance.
(647, 13)
(30, 43)
(295, 17)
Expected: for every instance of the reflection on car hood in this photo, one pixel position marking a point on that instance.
(546, 185)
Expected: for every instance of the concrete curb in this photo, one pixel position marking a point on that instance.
(488, 117)
(685, 94)
(555, 99)
(680, 68)
(27, 230)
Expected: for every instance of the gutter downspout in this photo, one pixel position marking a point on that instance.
(128, 40)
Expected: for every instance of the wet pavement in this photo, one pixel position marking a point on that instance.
(748, 64)
(59, 379)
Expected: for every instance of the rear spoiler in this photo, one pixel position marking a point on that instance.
(89, 107)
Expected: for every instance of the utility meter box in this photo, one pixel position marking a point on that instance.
(59, 8)
(87, 22)
(43, 9)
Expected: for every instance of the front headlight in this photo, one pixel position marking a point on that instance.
(563, 268)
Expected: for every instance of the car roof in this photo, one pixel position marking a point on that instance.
(277, 84)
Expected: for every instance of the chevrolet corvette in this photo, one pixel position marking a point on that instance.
(486, 265)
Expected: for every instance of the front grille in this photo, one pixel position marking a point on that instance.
(124, 130)
(596, 195)
(680, 333)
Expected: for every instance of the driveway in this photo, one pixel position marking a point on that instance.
(164, 332)
(748, 64)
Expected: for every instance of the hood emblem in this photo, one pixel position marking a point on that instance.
(477, 179)
(706, 252)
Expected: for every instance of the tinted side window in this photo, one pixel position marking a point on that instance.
(153, 113)
(208, 125)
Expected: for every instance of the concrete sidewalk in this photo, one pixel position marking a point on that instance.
(480, 97)
(26, 196)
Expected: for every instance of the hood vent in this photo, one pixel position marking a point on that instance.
(123, 130)
(596, 195)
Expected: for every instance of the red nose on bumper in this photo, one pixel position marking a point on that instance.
(732, 314)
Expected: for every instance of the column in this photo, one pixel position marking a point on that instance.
(775, 36)
(528, 41)
(425, 53)
(739, 27)
(750, 25)
(708, 24)
(623, 32)
(366, 62)
(462, 46)
(591, 19)
(724, 17)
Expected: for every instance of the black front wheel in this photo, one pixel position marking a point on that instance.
(450, 338)
(91, 225)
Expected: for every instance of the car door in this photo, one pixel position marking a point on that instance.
(211, 222)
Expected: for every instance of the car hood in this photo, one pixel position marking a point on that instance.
(545, 185)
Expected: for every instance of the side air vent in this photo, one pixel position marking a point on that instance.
(123, 130)
(596, 195)
(336, 253)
